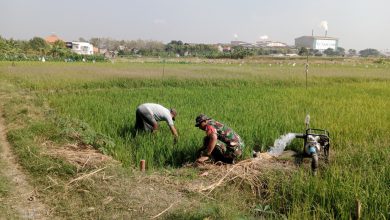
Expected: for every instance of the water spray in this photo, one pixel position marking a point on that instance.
(280, 144)
(307, 121)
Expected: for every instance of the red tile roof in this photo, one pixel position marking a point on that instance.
(52, 38)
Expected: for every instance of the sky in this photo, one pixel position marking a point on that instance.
(358, 24)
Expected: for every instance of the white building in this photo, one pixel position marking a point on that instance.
(242, 44)
(317, 42)
(82, 48)
(260, 44)
(271, 44)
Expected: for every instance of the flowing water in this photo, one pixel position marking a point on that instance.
(280, 144)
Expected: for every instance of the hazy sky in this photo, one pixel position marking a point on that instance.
(359, 24)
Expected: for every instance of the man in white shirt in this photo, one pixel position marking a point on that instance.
(149, 114)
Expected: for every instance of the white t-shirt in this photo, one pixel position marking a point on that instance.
(159, 112)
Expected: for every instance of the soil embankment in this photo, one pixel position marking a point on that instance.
(22, 196)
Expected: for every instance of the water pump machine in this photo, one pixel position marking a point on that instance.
(316, 145)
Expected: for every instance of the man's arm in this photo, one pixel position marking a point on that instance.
(174, 132)
(212, 143)
(210, 148)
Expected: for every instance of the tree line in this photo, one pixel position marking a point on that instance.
(37, 47)
(339, 52)
(178, 48)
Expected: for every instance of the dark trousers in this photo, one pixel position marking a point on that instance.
(222, 151)
(144, 119)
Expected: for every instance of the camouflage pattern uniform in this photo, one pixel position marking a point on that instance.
(229, 144)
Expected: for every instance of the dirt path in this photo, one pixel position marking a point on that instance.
(22, 197)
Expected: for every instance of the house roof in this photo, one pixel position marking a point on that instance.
(52, 38)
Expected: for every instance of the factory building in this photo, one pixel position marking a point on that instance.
(316, 42)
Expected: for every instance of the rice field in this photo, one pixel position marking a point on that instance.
(259, 100)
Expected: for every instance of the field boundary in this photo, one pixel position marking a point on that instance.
(23, 198)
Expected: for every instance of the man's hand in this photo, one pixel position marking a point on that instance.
(155, 127)
(174, 133)
(202, 159)
(199, 152)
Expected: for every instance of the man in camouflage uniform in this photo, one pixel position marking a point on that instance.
(221, 142)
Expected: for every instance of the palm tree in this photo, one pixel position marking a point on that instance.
(57, 48)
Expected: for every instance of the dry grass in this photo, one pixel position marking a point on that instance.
(138, 196)
(254, 173)
(78, 154)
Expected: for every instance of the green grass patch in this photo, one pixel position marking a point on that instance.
(4, 183)
(6, 211)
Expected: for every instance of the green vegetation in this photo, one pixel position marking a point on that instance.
(369, 52)
(36, 48)
(6, 211)
(3, 181)
(4, 188)
(261, 101)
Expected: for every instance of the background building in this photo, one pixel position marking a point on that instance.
(83, 48)
(242, 44)
(52, 39)
(316, 42)
(271, 44)
(260, 44)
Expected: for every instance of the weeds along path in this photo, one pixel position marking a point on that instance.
(22, 196)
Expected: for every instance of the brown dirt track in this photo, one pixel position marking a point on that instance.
(23, 198)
